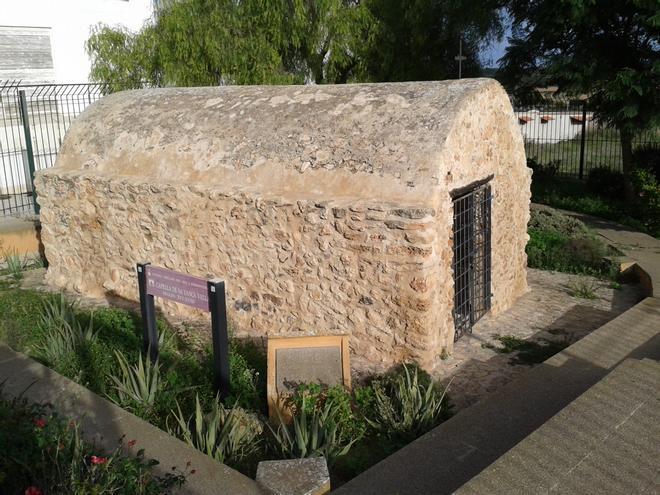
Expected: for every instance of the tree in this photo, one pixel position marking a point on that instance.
(202, 42)
(325, 39)
(607, 49)
(210, 42)
(122, 59)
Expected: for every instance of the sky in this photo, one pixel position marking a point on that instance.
(491, 55)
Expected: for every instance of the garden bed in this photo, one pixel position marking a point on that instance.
(100, 349)
(562, 243)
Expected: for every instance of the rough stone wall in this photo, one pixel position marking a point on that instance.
(483, 142)
(312, 250)
(293, 267)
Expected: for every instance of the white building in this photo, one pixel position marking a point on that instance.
(44, 40)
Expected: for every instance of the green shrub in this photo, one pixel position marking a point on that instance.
(44, 451)
(572, 195)
(244, 383)
(549, 169)
(313, 431)
(406, 404)
(605, 182)
(550, 250)
(648, 158)
(227, 435)
(96, 362)
(119, 327)
(550, 220)
(314, 396)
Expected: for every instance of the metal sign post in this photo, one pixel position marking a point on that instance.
(148, 311)
(218, 307)
(207, 295)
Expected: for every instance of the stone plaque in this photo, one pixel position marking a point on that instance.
(177, 287)
(308, 364)
(296, 360)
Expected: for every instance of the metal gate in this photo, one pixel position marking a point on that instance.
(472, 260)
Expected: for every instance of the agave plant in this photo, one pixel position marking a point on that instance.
(136, 385)
(15, 264)
(61, 313)
(62, 330)
(312, 432)
(226, 435)
(166, 340)
(56, 344)
(405, 405)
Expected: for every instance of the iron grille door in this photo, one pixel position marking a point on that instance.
(472, 261)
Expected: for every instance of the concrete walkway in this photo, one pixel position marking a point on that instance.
(548, 312)
(603, 442)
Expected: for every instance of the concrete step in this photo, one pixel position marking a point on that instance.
(605, 441)
(453, 453)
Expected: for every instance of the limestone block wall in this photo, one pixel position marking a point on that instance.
(292, 268)
(326, 210)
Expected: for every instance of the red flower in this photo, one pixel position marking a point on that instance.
(39, 422)
(131, 443)
(98, 460)
(33, 490)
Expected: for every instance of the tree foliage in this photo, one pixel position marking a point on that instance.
(606, 49)
(123, 59)
(209, 42)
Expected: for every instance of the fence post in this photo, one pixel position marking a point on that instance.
(583, 138)
(28, 145)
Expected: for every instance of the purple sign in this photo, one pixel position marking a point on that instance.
(177, 287)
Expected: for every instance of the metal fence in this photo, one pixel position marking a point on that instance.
(565, 138)
(33, 121)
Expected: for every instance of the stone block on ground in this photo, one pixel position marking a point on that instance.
(294, 476)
